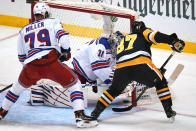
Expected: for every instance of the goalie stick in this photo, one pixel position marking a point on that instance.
(173, 77)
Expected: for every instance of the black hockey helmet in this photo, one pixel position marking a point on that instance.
(138, 27)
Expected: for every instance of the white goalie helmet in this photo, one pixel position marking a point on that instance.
(41, 8)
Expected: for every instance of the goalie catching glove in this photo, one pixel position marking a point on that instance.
(65, 54)
(176, 44)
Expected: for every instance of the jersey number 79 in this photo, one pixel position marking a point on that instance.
(42, 36)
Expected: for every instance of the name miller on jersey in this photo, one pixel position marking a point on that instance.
(34, 26)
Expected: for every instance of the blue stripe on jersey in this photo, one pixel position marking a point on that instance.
(61, 33)
(97, 68)
(22, 57)
(99, 65)
(99, 61)
(79, 69)
(37, 50)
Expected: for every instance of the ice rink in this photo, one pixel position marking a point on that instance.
(23, 117)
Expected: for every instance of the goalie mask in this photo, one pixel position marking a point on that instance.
(41, 8)
(114, 40)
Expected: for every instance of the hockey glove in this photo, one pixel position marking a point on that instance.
(65, 55)
(176, 44)
(138, 27)
(94, 88)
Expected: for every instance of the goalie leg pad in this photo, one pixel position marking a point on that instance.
(37, 95)
(50, 95)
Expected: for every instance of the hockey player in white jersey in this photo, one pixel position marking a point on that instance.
(39, 51)
(96, 60)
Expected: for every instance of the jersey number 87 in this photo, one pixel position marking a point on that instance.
(128, 39)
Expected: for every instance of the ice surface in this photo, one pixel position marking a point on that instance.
(23, 117)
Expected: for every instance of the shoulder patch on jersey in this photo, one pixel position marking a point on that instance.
(104, 42)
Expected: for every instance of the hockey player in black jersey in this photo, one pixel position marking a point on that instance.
(134, 64)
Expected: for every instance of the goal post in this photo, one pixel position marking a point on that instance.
(61, 8)
(86, 20)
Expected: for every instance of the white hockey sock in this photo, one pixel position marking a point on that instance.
(76, 96)
(12, 95)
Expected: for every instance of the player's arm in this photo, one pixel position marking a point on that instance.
(100, 64)
(64, 40)
(176, 44)
(21, 49)
(158, 37)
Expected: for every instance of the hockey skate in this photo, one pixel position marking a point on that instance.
(95, 114)
(84, 121)
(2, 113)
(170, 114)
(98, 110)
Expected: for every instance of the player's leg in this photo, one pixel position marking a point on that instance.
(17, 88)
(29, 75)
(77, 100)
(10, 98)
(63, 75)
(153, 77)
(119, 83)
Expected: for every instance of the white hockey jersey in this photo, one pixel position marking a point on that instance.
(39, 38)
(94, 61)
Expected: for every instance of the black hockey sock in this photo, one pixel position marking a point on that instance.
(104, 101)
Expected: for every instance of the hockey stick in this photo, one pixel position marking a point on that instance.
(101, 85)
(5, 88)
(128, 108)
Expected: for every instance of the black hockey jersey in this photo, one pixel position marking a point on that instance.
(135, 49)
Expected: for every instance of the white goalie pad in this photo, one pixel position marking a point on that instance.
(52, 94)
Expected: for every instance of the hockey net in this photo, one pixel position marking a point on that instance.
(85, 21)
